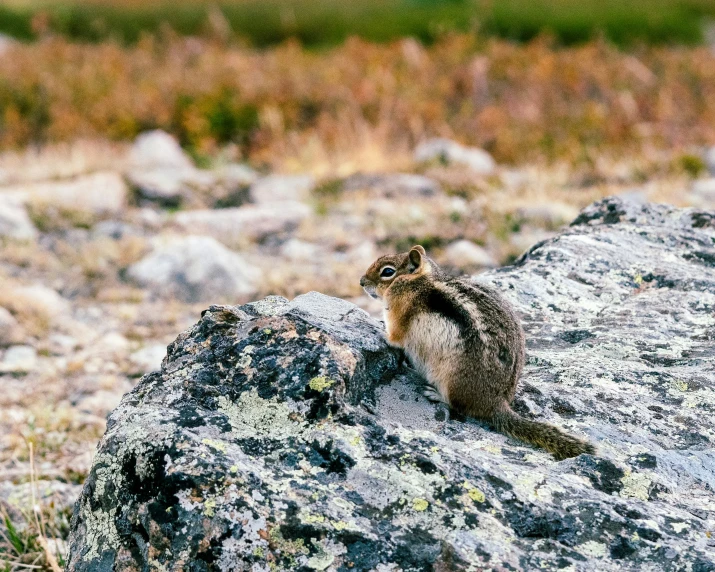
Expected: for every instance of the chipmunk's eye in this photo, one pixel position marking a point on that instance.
(387, 272)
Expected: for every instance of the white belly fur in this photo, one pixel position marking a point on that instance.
(433, 345)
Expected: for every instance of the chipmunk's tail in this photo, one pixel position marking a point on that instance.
(559, 443)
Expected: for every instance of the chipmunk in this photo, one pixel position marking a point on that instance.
(465, 339)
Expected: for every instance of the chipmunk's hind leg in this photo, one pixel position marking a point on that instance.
(431, 393)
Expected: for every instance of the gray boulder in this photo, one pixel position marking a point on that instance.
(158, 150)
(449, 152)
(283, 435)
(194, 269)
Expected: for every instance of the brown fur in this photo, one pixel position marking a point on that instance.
(465, 339)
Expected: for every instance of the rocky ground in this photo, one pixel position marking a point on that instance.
(107, 252)
(286, 436)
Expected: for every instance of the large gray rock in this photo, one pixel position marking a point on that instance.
(194, 269)
(269, 442)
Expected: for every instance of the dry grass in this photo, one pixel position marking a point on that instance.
(35, 541)
(363, 106)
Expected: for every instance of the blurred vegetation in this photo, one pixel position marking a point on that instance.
(327, 22)
(532, 101)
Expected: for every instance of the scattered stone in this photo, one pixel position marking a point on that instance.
(286, 433)
(298, 250)
(14, 222)
(550, 215)
(528, 237)
(194, 269)
(158, 150)
(103, 193)
(236, 226)
(147, 359)
(233, 183)
(114, 229)
(710, 160)
(170, 187)
(704, 192)
(393, 185)
(10, 330)
(19, 359)
(465, 254)
(277, 188)
(447, 151)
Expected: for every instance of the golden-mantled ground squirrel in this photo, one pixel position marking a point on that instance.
(465, 340)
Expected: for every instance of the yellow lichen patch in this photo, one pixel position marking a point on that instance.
(218, 445)
(419, 504)
(474, 493)
(234, 469)
(635, 485)
(593, 548)
(313, 518)
(680, 385)
(340, 525)
(209, 507)
(320, 383)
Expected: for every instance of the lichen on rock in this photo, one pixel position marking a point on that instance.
(286, 436)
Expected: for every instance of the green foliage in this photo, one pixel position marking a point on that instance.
(691, 164)
(325, 22)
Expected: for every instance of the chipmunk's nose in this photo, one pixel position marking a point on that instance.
(363, 280)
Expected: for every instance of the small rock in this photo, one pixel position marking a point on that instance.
(551, 214)
(114, 229)
(528, 237)
(148, 358)
(233, 184)
(394, 185)
(157, 149)
(710, 160)
(295, 249)
(704, 191)
(19, 359)
(10, 330)
(169, 187)
(14, 222)
(194, 269)
(466, 254)
(247, 223)
(448, 151)
(276, 188)
(99, 193)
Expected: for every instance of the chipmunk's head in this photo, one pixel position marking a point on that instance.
(386, 269)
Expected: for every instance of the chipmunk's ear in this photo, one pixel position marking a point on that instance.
(417, 253)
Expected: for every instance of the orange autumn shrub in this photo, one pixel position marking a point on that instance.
(520, 102)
